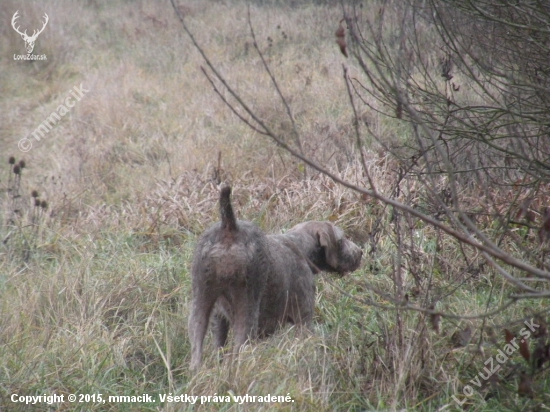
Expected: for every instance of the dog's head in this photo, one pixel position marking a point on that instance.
(331, 251)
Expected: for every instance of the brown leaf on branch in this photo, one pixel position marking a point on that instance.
(509, 336)
(435, 319)
(544, 231)
(341, 38)
(524, 349)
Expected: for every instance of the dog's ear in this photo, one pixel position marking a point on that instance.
(327, 240)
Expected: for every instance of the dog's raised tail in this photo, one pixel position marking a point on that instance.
(229, 224)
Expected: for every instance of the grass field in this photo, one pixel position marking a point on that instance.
(94, 282)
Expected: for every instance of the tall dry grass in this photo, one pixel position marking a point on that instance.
(96, 300)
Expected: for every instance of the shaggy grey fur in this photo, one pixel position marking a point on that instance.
(256, 283)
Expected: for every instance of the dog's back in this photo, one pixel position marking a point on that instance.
(230, 250)
(292, 289)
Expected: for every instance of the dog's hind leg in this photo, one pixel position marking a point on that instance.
(198, 322)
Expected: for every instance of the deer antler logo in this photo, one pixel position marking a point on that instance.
(29, 40)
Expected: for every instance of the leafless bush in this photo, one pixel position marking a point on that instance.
(467, 85)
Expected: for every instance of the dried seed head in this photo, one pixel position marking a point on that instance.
(34, 193)
(16, 169)
(11, 160)
(446, 65)
(22, 164)
(36, 202)
(44, 204)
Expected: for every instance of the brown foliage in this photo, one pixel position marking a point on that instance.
(509, 336)
(544, 231)
(541, 355)
(524, 349)
(341, 38)
(542, 330)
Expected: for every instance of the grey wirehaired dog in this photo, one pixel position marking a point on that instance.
(256, 283)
